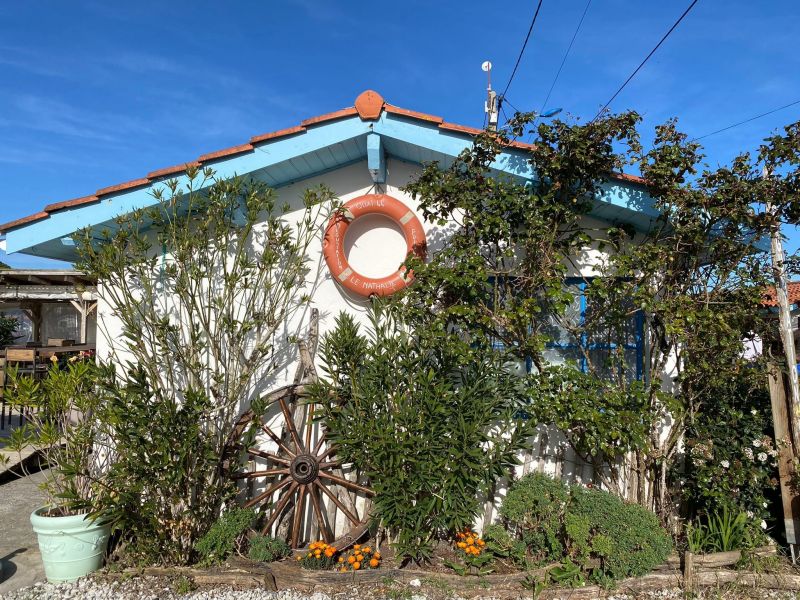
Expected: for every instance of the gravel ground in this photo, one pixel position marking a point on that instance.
(145, 588)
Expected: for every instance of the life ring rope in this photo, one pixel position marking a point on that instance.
(333, 244)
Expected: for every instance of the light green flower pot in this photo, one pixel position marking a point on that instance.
(71, 546)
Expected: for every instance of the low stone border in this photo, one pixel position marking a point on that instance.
(688, 572)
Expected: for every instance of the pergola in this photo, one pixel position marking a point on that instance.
(31, 289)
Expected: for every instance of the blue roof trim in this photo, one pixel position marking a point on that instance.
(319, 149)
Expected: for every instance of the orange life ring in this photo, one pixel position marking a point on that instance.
(333, 243)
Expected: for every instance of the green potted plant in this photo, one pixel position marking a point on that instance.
(59, 424)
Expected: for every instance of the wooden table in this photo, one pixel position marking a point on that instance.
(45, 352)
(48, 351)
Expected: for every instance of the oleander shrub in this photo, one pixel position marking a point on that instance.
(606, 538)
(431, 430)
(225, 536)
(265, 548)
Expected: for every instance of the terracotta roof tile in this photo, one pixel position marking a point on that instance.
(123, 186)
(233, 150)
(173, 170)
(793, 288)
(277, 134)
(339, 114)
(23, 221)
(413, 114)
(70, 203)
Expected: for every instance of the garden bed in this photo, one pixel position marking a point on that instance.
(690, 572)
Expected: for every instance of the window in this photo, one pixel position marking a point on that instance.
(601, 344)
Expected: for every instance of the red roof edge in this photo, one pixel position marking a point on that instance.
(50, 208)
(173, 170)
(277, 134)
(23, 221)
(232, 151)
(339, 114)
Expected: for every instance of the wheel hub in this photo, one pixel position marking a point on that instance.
(304, 468)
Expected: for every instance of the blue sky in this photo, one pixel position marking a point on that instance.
(93, 93)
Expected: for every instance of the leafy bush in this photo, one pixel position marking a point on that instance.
(501, 544)
(265, 548)
(729, 468)
(225, 536)
(8, 325)
(431, 430)
(626, 538)
(589, 531)
(535, 506)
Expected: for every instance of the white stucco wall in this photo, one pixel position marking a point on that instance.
(377, 248)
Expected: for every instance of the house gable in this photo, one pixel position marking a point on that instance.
(370, 131)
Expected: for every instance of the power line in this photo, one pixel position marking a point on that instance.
(564, 60)
(653, 51)
(522, 50)
(769, 112)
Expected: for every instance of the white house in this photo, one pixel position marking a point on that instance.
(372, 147)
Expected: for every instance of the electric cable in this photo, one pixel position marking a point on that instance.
(522, 50)
(653, 51)
(764, 114)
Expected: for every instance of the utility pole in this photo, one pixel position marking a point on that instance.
(491, 106)
(785, 405)
(785, 318)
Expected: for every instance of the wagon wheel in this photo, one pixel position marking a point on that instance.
(300, 469)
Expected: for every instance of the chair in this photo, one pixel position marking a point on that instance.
(24, 359)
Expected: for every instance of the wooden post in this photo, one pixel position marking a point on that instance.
(780, 418)
(688, 572)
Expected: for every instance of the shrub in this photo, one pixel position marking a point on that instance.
(430, 429)
(225, 536)
(501, 544)
(588, 529)
(265, 548)
(626, 538)
(730, 468)
(534, 507)
(8, 326)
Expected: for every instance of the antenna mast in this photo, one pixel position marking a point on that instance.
(491, 107)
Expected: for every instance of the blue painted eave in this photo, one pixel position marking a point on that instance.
(317, 150)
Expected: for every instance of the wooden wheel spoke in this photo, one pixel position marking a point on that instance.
(309, 424)
(268, 492)
(269, 456)
(267, 473)
(327, 453)
(277, 440)
(298, 514)
(320, 441)
(353, 519)
(350, 485)
(327, 534)
(290, 425)
(278, 509)
(331, 465)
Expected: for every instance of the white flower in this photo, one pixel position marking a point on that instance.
(763, 524)
(765, 504)
(750, 514)
(762, 456)
(725, 464)
(748, 452)
(754, 412)
(756, 443)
